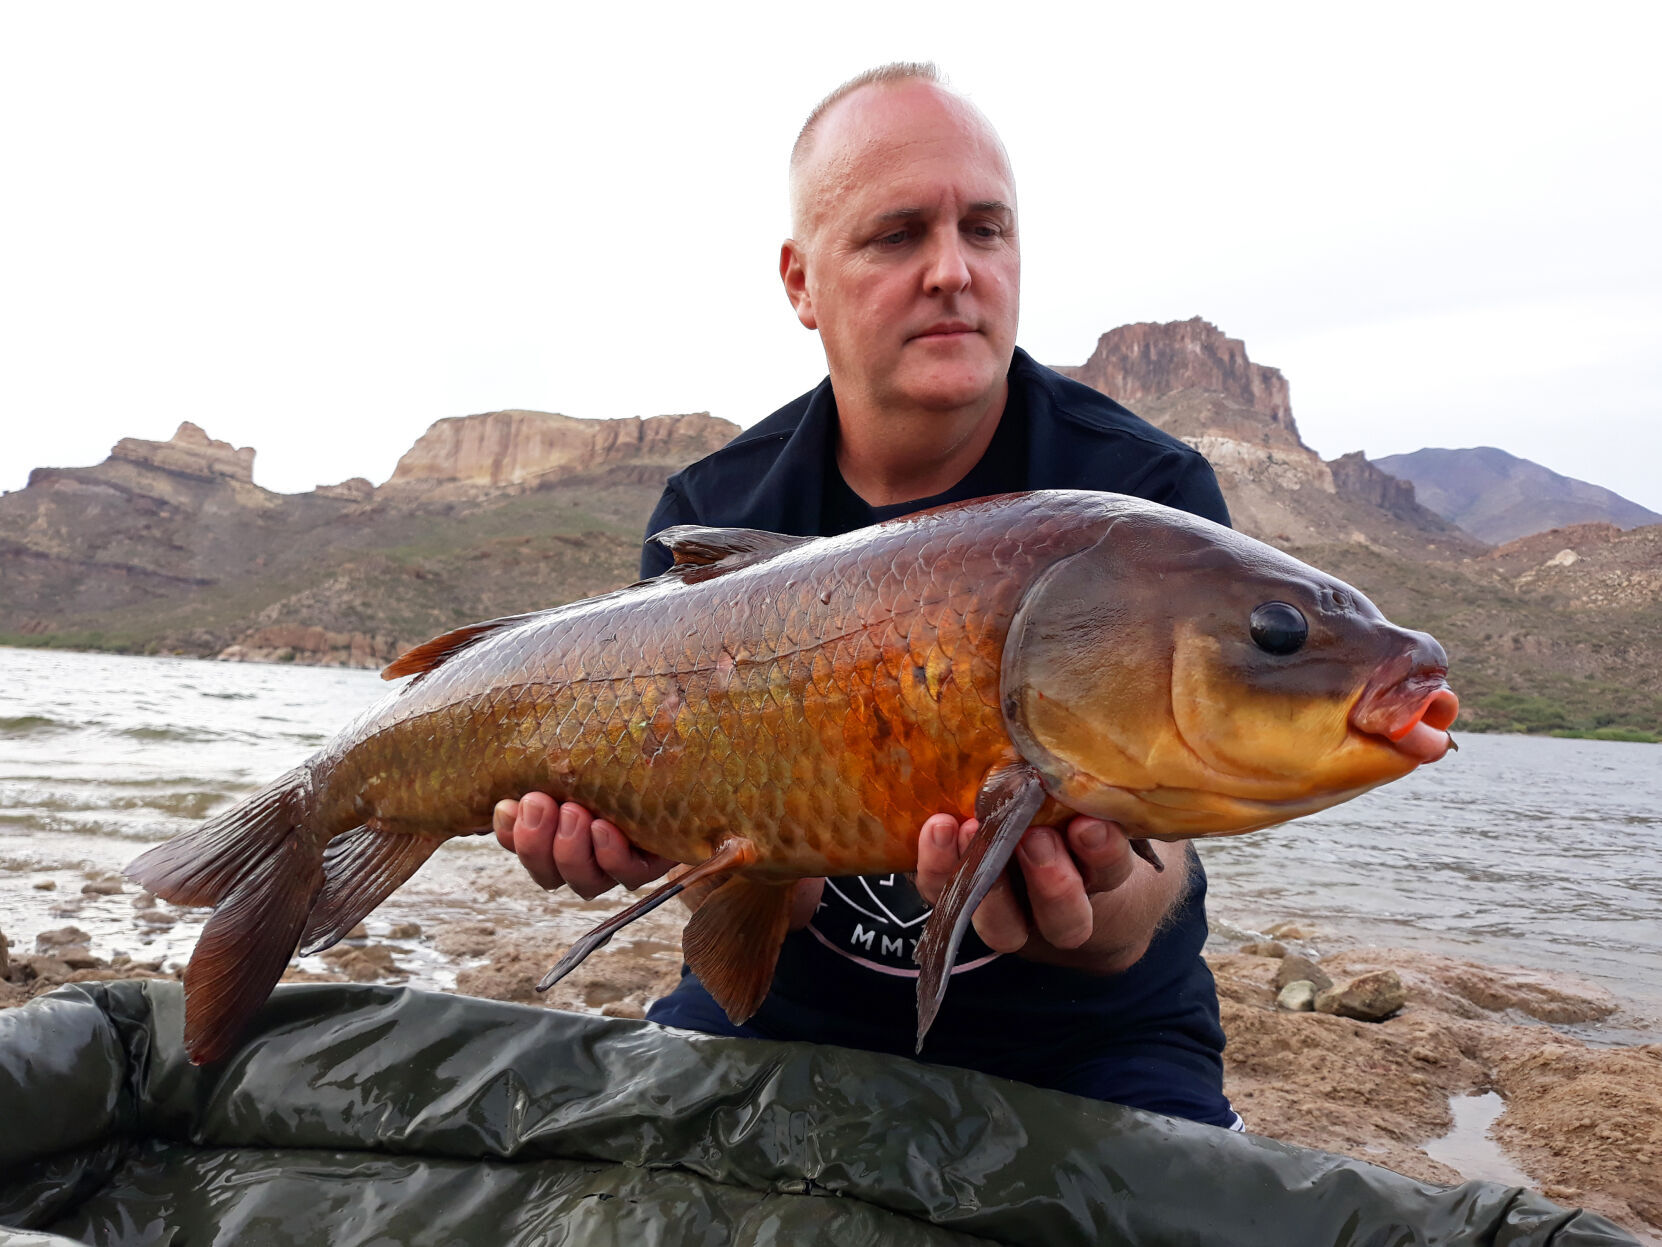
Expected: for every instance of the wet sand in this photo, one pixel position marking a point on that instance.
(1581, 1120)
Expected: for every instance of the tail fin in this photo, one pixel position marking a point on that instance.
(261, 868)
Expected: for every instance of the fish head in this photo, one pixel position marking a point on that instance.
(1185, 680)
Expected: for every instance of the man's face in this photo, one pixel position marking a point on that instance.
(906, 259)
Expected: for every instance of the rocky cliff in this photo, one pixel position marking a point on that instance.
(507, 449)
(171, 546)
(1196, 383)
(1135, 363)
(190, 452)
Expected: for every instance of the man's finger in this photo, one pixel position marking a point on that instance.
(574, 853)
(622, 860)
(1102, 851)
(1001, 918)
(502, 822)
(535, 820)
(1055, 889)
(938, 854)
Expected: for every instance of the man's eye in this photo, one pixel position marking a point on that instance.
(895, 239)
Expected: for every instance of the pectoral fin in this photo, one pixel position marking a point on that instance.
(1006, 804)
(735, 853)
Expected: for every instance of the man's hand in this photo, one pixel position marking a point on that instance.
(566, 844)
(1090, 902)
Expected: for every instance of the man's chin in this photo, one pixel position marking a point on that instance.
(951, 389)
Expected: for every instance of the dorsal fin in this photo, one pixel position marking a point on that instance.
(430, 654)
(701, 552)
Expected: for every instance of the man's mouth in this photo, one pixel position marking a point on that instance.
(946, 329)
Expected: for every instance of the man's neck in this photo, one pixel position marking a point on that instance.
(888, 456)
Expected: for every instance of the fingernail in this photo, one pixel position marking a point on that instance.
(533, 814)
(1093, 836)
(1039, 848)
(943, 835)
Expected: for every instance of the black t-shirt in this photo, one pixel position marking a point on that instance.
(1149, 1037)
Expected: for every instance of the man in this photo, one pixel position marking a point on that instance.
(905, 258)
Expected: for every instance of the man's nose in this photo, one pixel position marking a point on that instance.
(948, 265)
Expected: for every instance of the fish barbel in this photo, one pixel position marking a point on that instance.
(775, 707)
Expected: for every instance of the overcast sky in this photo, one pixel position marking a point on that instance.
(316, 228)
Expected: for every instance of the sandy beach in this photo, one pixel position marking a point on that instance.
(1577, 1120)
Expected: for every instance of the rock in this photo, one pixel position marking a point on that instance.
(46, 885)
(1265, 948)
(102, 887)
(144, 900)
(52, 969)
(79, 958)
(622, 1009)
(1356, 477)
(190, 452)
(1370, 997)
(312, 645)
(1137, 362)
(363, 965)
(1288, 931)
(353, 489)
(1295, 968)
(1299, 996)
(404, 931)
(502, 448)
(359, 932)
(62, 937)
(5, 957)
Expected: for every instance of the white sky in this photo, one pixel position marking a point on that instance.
(315, 228)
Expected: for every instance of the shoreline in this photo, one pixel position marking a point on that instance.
(1582, 1121)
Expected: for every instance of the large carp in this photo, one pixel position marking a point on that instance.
(778, 707)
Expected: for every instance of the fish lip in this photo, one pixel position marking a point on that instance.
(1407, 704)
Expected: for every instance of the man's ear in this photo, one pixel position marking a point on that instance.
(794, 273)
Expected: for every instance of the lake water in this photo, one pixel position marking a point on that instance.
(1516, 850)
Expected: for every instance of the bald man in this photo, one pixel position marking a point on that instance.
(905, 259)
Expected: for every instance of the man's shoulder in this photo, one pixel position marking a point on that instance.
(1088, 415)
(748, 455)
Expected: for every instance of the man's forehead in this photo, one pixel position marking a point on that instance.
(872, 139)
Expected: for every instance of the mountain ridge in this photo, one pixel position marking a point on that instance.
(1498, 496)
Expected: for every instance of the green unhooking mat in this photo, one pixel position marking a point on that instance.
(369, 1115)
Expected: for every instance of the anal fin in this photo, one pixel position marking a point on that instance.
(360, 870)
(1009, 798)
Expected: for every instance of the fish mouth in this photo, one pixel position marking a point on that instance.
(1409, 704)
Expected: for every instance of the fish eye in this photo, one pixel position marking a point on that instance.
(1278, 628)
